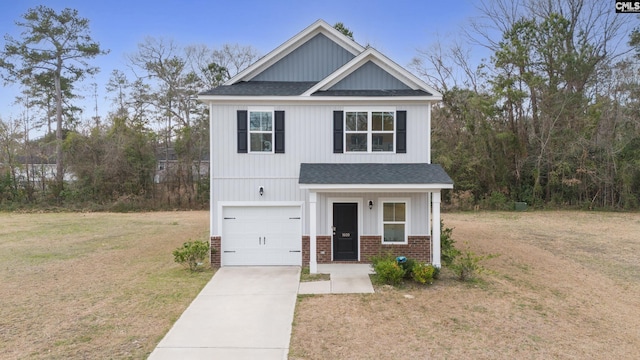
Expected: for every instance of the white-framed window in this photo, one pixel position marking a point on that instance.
(370, 130)
(261, 131)
(394, 220)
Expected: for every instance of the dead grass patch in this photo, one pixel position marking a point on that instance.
(94, 285)
(566, 286)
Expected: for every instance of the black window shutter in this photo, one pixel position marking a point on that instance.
(338, 123)
(242, 131)
(401, 132)
(279, 133)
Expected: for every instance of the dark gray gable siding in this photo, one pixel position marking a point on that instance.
(370, 77)
(313, 61)
(368, 173)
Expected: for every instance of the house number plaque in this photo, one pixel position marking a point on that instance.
(346, 234)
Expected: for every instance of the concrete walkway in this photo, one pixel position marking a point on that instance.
(344, 279)
(242, 313)
(247, 312)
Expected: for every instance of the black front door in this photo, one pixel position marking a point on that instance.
(345, 231)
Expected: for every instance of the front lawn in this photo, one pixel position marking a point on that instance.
(565, 286)
(95, 285)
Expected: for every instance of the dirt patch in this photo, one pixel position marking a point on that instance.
(566, 285)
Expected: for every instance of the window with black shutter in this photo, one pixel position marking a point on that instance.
(260, 131)
(362, 130)
(242, 131)
(401, 132)
(279, 132)
(338, 125)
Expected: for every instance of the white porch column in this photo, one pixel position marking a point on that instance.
(313, 261)
(435, 229)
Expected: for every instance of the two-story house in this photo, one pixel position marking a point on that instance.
(320, 152)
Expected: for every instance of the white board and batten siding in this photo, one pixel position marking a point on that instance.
(308, 139)
(419, 212)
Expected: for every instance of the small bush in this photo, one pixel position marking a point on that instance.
(422, 273)
(407, 266)
(388, 271)
(436, 273)
(192, 254)
(467, 265)
(381, 257)
(448, 252)
(497, 201)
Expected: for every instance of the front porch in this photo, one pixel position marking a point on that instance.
(415, 188)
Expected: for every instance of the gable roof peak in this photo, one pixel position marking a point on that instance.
(318, 27)
(370, 54)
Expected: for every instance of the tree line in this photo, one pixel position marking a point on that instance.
(151, 151)
(550, 117)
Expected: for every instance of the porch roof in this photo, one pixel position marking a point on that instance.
(371, 176)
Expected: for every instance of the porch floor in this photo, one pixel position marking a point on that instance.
(344, 279)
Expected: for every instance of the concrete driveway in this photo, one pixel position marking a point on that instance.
(242, 313)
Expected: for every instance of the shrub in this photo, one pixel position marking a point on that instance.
(497, 201)
(436, 273)
(381, 257)
(422, 273)
(407, 266)
(191, 254)
(388, 271)
(448, 252)
(467, 265)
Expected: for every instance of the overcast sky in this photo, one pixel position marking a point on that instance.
(396, 28)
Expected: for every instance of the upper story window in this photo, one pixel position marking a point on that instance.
(369, 131)
(261, 131)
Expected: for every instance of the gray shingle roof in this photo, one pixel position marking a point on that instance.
(290, 88)
(261, 88)
(373, 174)
(406, 92)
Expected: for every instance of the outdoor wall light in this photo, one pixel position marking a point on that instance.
(370, 204)
(261, 191)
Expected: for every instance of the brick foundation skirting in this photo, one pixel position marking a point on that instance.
(418, 247)
(323, 250)
(215, 250)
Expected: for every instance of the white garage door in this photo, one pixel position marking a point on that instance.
(261, 235)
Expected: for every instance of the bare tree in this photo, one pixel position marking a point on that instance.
(174, 76)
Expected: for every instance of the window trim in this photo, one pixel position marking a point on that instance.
(370, 131)
(272, 132)
(407, 219)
